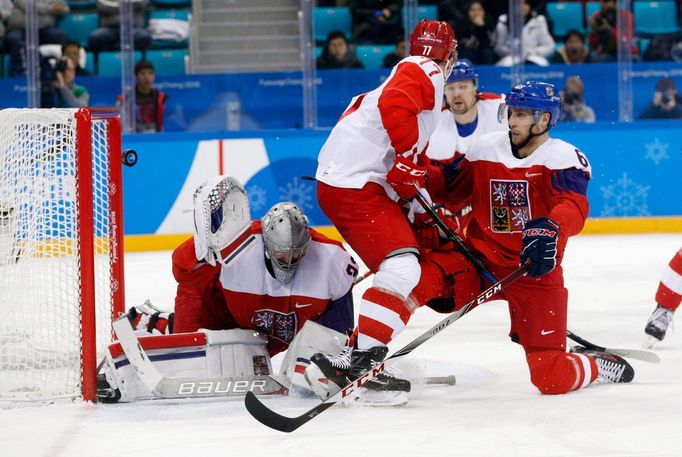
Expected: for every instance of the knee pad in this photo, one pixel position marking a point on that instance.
(398, 274)
(554, 372)
(448, 280)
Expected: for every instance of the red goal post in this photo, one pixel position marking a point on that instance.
(61, 249)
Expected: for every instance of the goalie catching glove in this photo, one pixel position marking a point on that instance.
(539, 246)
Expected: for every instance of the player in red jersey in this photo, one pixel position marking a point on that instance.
(371, 159)
(668, 298)
(529, 195)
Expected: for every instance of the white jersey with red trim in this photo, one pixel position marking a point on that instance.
(397, 117)
(257, 300)
(446, 140)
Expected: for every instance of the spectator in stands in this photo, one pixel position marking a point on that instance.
(150, 102)
(573, 104)
(337, 55)
(376, 21)
(573, 50)
(476, 35)
(392, 59)
(603, 38)
(74, 51)
(667, 102)
(536, 41)
(15, 38)
(108, 36)
(68, 94)
(5, 11)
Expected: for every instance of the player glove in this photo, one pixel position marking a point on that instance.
(403, 177)
(429, 235)
(539, 246)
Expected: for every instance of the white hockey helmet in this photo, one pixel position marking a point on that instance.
(221, 212)
(286, 237)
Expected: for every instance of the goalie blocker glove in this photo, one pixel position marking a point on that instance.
(539, 246)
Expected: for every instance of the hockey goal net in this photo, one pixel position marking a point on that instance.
(61, 263)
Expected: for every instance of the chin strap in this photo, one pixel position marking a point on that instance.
(531, 135)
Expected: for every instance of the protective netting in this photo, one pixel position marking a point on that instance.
(40, 298)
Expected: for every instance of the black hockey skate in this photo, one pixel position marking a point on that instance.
(658, 323)
(612, 368)
(327, 374)
(106, 393)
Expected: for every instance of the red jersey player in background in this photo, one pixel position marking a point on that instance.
(370, 161)
(529, 195)
(668, 298)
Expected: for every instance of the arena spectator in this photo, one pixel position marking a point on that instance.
(392, 59)
(75, 52)
(336, 54)
(574, 108)
(5, 11)
(603, 38)
(150, 102)
(573, 51)
(15, 38)
(376, 21)
(108, 36)
(536, 41)
(667, 102)
(476, 35)
(67, 93)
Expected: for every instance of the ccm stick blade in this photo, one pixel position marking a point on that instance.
(276, 421)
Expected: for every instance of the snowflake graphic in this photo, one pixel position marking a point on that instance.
(257, 197)
(657, 151)
(298, 192)
(625, 198)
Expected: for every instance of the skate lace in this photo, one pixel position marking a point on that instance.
(609, 371)
(661, 318)
(389, 371)
(342, 360)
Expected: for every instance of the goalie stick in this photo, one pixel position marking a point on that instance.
(165, 387)
(276, 421)
(639, 354)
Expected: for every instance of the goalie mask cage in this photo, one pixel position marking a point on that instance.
(61, 262)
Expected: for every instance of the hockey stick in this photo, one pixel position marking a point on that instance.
(276, 421)
(164, 387)
(639, 354)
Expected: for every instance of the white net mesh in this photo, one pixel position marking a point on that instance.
(40, 301)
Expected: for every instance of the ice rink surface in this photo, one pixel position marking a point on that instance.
(493, 410)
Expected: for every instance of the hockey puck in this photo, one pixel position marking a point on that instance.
(448, 380)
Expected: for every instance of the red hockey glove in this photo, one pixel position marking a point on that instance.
(429, 236)
(403, 177)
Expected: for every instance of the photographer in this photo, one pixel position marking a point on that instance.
(667, 102)
(68, 94)
(604, 36)
(573, 104)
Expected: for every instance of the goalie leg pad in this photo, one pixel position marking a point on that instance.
(312, 338)
(199, 355)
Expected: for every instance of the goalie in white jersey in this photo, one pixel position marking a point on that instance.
(372, 158)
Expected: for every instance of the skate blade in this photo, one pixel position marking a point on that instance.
(650, 341)
(375, 398)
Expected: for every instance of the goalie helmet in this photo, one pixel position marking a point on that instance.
(221, 211)
(285, 237)
(433, 39)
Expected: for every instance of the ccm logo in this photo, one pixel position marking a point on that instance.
(411, 171)
(539, 232)
(488, 295)
(220, 387)
(362, 380)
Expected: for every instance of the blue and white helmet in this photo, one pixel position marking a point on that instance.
(463, 70)
(540, 97)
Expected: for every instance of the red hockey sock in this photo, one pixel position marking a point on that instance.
(556, 372)
(382, 316)
(669, 293)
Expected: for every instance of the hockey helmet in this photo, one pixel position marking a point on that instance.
(221, 211)
(540, 97)
(463, 70)
(285, 237)
(433, 39)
